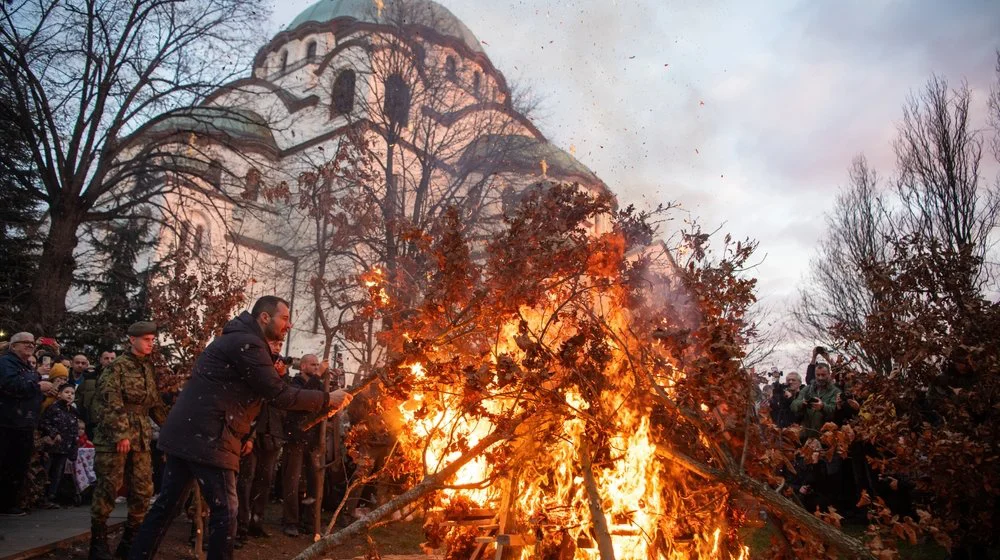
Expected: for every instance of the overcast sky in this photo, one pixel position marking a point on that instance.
(747, 113)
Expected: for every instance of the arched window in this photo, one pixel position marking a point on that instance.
(199, 239)
(310, 51)
(284, 60)
(451, 68)
(477, 79)
(397, 100)
(342, 94)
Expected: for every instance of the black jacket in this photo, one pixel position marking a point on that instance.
(20, 396)
(292, 432)
(60, 420)
(781, 407)
(229, 381)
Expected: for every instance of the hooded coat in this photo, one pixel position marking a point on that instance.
(228, 384)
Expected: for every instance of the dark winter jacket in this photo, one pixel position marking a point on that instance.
(781, 407)
(229, 381)
(60, 420)
(294, 419)
(270, 428)
(20, 396)
(85, 395)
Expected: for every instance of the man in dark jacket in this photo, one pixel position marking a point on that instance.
(204, 433)
(21, 392)
(781, 400)
(302, 449)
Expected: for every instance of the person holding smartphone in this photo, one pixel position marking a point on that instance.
(817, 402)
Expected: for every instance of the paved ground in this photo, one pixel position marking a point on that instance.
(44, 530)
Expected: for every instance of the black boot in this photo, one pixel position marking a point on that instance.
(126, 543)
(99, 542)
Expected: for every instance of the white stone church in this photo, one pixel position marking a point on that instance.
(440, 127)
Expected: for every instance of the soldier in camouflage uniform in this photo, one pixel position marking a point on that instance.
(126, 398)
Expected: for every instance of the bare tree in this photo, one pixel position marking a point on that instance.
(938, 153)
(839, 293)
(938, 200)
(85, 75)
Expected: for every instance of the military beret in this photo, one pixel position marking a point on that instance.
(142, 328)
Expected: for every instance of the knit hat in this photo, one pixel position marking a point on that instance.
(58, 370)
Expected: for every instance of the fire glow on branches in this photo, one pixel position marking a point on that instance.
(556, 337)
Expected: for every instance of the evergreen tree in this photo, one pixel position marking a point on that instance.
(20, 219)
(118, 276)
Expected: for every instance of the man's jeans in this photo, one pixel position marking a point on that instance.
(218, 486)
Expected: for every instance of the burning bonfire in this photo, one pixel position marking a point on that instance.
(561, 398)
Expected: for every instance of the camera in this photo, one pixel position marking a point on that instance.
(819, 350)
(287, 360)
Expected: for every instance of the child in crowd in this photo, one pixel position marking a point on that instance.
(83, 442)
(61, 424)
(83, 467)
(58, 376)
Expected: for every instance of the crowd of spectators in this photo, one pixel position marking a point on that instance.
(824, 397)
(41, 427)
(47, 457)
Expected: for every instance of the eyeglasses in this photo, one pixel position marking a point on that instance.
(25, 342)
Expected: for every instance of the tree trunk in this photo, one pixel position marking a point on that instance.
(321, 473)
(389, 219)
(46, 309)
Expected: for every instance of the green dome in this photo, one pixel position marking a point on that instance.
(516, 152)
(222, 122)
(411, 12)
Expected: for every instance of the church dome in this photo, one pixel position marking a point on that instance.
(226, 124)
(421, 13)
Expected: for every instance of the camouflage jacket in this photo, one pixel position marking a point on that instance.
(126, 398)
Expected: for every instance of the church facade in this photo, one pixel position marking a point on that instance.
(360, 122)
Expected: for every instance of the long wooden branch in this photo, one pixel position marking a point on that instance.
(430, 483)
(777, 504)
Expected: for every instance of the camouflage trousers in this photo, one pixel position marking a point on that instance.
(135, 469)
(36, 479)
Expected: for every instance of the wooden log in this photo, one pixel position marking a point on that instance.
(508, 540)
(320, 474)
(481, 523)
(515, 540)
(507, 520)
(474, 513)
(604, 543)
(199, 524)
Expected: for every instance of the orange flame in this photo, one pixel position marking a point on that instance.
(641, 496)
